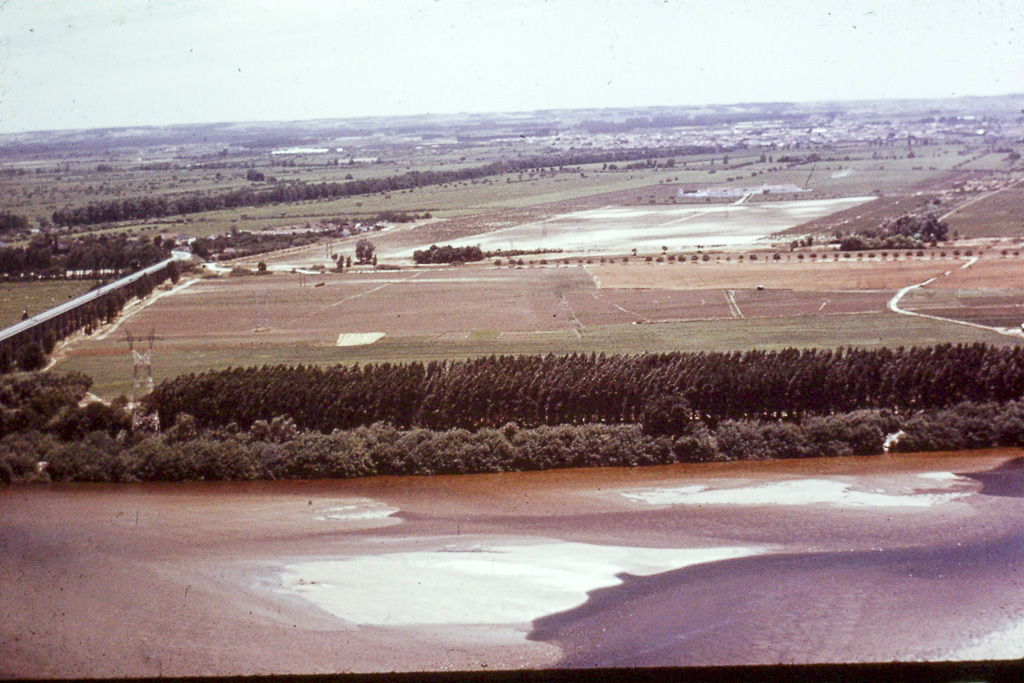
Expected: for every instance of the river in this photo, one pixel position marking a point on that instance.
(889, 558)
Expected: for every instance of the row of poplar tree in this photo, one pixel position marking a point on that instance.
(665, 392)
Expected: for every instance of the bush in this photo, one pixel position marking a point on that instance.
(966, 425)
(1008, 425)
(698, 445)
(742, 440)
(277, 449)
(448, 254)
(31, 401)
(858, 433)
(74, 422)
(94, 458)
(31, 357)
(666, 414)
(19, 454)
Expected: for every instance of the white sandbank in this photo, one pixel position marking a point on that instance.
(1005, 644)
(358, 510)
(358, 338)
(942, 476)
(469, 583)
(794, 492)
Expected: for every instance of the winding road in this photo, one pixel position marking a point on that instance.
(894, 306)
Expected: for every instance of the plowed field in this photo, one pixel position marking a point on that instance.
(457, 312)
(825, 274)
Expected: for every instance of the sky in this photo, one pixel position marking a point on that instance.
(108, 63)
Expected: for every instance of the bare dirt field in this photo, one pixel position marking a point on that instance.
(429, 313)
(995, 214)
(616, 306)
(988, 272)
(1008, 316)
(988, 291)
(864, 216)
(822, 275)
(315, 309)
(287, 308)
(890, 558)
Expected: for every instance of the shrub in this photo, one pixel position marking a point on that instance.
(20, 452)
(698, 445)
(1008, 425)
(93, 458)
(861, 432)
(31, 356)
(74, 422)
(742, 440)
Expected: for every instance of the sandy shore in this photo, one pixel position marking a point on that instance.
(893, 558)
(494, 584)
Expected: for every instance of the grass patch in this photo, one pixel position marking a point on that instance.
(1001, 214)
(36, 297)
(112, 373)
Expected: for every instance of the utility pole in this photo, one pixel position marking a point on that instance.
(142, 380)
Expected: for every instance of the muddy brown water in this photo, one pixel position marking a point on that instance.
(553, 569)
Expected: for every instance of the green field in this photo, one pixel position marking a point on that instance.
(36, 297)
(113, 374)
(1000, 214)
(855, 173)
(860, 176)
(993, 161)
(904, 178)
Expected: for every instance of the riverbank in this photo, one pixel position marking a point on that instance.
(205, 578)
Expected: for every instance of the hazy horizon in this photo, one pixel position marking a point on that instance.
(258, 122)
(128, 63)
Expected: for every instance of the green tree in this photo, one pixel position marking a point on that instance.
(365, 250)
(31, 356)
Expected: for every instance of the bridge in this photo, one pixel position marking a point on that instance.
(81, 311)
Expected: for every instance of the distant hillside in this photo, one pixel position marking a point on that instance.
(264, 135)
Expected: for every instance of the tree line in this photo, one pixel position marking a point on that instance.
(908, 231)
(664, 392)
(45, 434)
(12, 222)
(140, 208)
(51, 256)
(447, 254)
(246, 243)
(30, 349)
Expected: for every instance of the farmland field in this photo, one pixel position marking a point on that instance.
(586, 298)
(990, 272)
(845, 274)
(1000, 214)
(36, 297)
(429, 313)
(617, 306)
(987, 292)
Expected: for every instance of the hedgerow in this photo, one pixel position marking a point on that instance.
(183, 453)
(46, 434)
